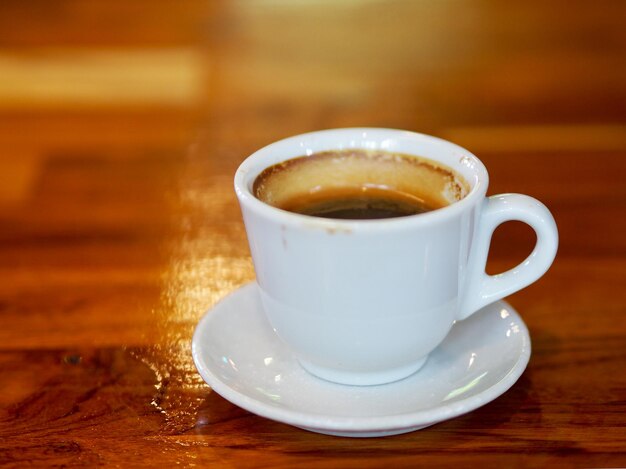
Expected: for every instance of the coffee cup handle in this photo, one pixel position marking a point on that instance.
(483, 289)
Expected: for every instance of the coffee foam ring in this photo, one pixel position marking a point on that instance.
(417, 177)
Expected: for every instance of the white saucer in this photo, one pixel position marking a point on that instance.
(241, 358)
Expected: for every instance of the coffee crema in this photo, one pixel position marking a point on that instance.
(359, 184)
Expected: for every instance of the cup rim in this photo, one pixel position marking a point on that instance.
(246, 174)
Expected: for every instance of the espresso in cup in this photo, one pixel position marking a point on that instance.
(359, 184)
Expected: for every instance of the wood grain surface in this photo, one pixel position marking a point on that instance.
(121, 125)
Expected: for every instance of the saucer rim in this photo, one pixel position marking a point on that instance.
(321, 422)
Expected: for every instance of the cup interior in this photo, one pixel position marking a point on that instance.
(464, 175)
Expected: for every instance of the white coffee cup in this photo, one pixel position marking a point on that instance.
(364, 302)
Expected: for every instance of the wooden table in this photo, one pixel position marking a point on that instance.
(121, 125)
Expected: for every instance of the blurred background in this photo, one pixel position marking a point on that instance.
(491, 75)
(122, 123)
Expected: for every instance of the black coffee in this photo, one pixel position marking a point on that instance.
(359, 184)
(357, 204)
